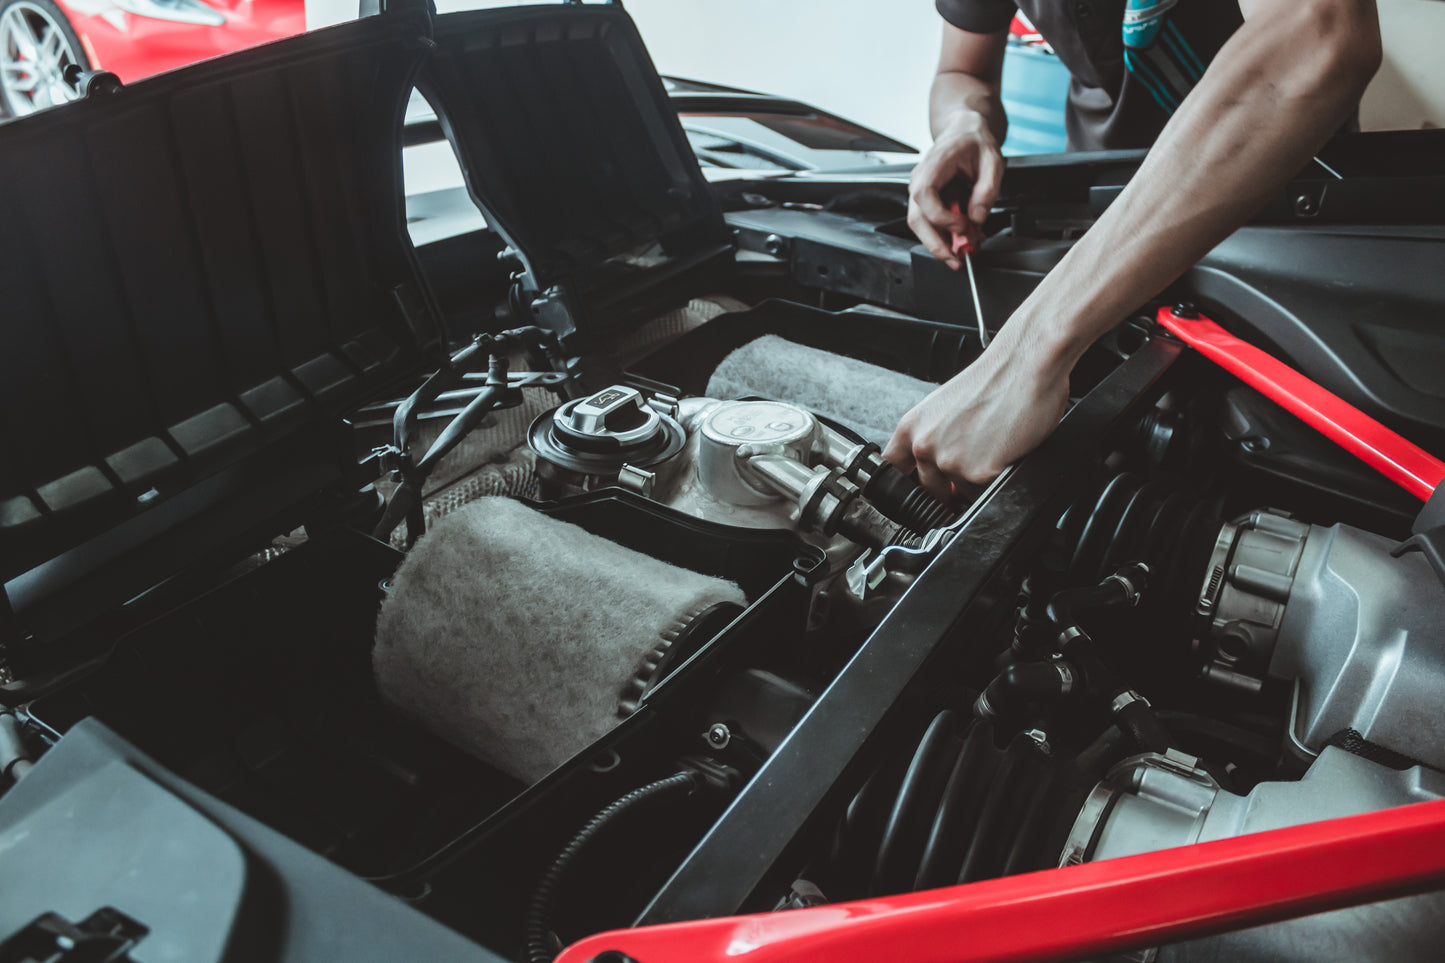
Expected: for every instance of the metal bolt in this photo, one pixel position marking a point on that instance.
(774, 245)
(718, 736)
(1306, 206)
(1040, 737)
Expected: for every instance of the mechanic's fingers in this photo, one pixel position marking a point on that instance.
(930, 204)
(969, 241)
(931, 239)
(899, 450)
(986, 187)
(978, 476)
(958, 477)
(966, 491)
(934, 481)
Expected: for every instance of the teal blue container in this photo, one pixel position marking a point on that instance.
(1035, 87)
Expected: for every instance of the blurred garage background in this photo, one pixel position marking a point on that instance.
(872, 60)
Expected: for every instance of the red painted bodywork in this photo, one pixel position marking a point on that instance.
(145, 46)
(1395, 457)
(1080, 911)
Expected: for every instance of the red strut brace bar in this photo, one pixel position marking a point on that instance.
(1079, 911)
(1398, 459)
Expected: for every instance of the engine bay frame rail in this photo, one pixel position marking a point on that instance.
(1083, 911)
(1397, 458)
(749, 842)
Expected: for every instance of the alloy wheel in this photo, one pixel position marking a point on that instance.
(34, 55)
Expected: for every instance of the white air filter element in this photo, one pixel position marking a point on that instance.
(516, 637)
(863, 396)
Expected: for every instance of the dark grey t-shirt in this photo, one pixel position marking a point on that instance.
(1132, 60)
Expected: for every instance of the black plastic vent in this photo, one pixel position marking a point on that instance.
(572, 150)
(196, 266)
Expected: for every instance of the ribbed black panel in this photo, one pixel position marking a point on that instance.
(195, 266)
(570, 145)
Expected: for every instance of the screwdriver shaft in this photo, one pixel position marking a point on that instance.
(973, 289)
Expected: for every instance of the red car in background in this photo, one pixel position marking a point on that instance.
(41, 40)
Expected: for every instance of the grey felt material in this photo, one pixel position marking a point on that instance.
(863, 396)
(514, 635)
(505, 430)
(633, 346)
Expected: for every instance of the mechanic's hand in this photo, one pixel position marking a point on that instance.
(965, 155)
(982, 420)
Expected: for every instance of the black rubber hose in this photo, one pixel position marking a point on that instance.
(1093, 541)
(905, 501)
(404, 419)
(1135, 718)
(905, 833)
(1023, 683)
(1023, 762)
(1170, 529)
(544, 897)
(1033, 633)
(1099, 756)
(1138, 722)
(457, 430)
(1121, 588)
(956, 820)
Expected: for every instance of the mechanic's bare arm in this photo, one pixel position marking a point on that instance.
(1275, 92)
(968, 123)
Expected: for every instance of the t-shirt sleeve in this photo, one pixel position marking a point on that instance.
(978, 16)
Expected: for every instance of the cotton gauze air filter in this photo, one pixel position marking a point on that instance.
(516, 636)
(863, 396)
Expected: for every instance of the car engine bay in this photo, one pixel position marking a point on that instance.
(621, 618)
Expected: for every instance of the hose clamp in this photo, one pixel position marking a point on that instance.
(1066, 677)
(870, 570)
(1070, 634)
(1131, 591)
(1125, 699)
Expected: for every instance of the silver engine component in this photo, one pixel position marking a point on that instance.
(758, 464)
(1155, 802)
(1359, 632)
(754, 451)
(731, 427)
(867, 398)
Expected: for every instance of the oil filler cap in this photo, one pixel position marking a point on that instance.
(595, 436)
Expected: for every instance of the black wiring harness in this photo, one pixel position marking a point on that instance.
(502, 389)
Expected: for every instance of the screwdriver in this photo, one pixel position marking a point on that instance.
(963, 247)
(967, 253)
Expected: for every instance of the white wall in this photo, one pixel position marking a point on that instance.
(872, 60)
(1409, 90)
(869, 60)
